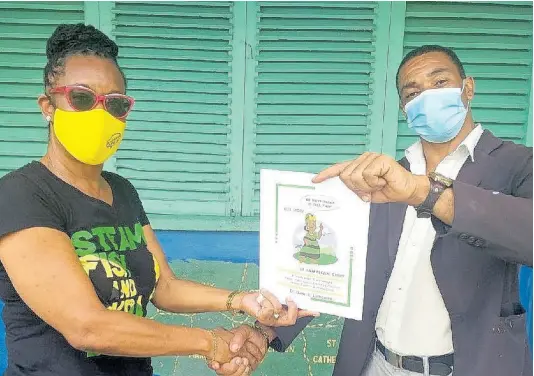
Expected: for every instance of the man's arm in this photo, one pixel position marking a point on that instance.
(503, 220)
(500, 219)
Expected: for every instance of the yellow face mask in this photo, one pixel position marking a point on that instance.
(89, 136)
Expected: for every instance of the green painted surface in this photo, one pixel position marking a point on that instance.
(314, 69)
(379, 77)
(395, 54)
(24, 29)
(238, 107)
(224, 89)
(312, 353)
(182, 146)
(249, 131)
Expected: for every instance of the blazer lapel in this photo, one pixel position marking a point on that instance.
(472, 172)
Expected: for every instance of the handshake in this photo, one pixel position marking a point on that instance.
(239, 351)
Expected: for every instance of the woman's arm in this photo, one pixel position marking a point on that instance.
(46, 273)
(181, 296)
(177, 295)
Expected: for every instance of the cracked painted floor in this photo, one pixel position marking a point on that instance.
(311, 354)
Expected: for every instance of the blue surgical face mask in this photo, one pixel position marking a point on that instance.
(437, 115)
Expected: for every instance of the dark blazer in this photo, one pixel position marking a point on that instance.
(475, 262)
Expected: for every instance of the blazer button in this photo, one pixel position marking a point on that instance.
(463, 236)
(472, 240)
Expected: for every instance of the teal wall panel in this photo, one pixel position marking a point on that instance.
(178, 147)
(313, 69)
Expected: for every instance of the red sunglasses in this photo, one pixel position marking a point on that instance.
(81, 98)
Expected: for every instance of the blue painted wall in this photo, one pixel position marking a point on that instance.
(210, 246)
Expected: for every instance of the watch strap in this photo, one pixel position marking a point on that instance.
(425, 209)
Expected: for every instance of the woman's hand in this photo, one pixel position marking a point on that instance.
(266, 308)
(219, 350)
(247, 339)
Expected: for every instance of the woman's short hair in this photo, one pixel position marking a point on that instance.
(76, 39)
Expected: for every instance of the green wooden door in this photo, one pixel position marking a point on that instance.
(311, 77)
(494, 42)
(178, 147)
(24, 29)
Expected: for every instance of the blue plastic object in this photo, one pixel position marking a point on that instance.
(525, 295)
(3, 349)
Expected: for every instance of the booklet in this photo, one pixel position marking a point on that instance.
(313, 242)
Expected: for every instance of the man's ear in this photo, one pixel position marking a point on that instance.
(469, 88)
(46, 106)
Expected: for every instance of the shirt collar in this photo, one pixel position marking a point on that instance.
(414, 153)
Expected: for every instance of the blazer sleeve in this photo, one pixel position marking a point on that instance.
(286, 334)
(503, 220)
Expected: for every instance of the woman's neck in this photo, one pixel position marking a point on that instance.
(66, 167)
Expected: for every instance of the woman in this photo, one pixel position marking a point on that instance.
(80, 260)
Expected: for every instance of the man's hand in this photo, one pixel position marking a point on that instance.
(379, 178)
(221, 353)
(245, 339)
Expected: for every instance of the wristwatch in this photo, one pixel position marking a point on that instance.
(438, 184)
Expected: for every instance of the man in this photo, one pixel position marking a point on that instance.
(449, 225)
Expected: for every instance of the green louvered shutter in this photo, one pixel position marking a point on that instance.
(24, 29)
(494, 42)
(314, 67)
(177, 59)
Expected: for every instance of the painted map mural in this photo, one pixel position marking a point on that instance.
(313, 353)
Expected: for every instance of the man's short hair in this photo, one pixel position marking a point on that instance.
(431, 48)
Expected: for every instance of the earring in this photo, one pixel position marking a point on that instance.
(48, 118)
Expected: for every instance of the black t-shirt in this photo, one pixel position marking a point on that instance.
(110, 245)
